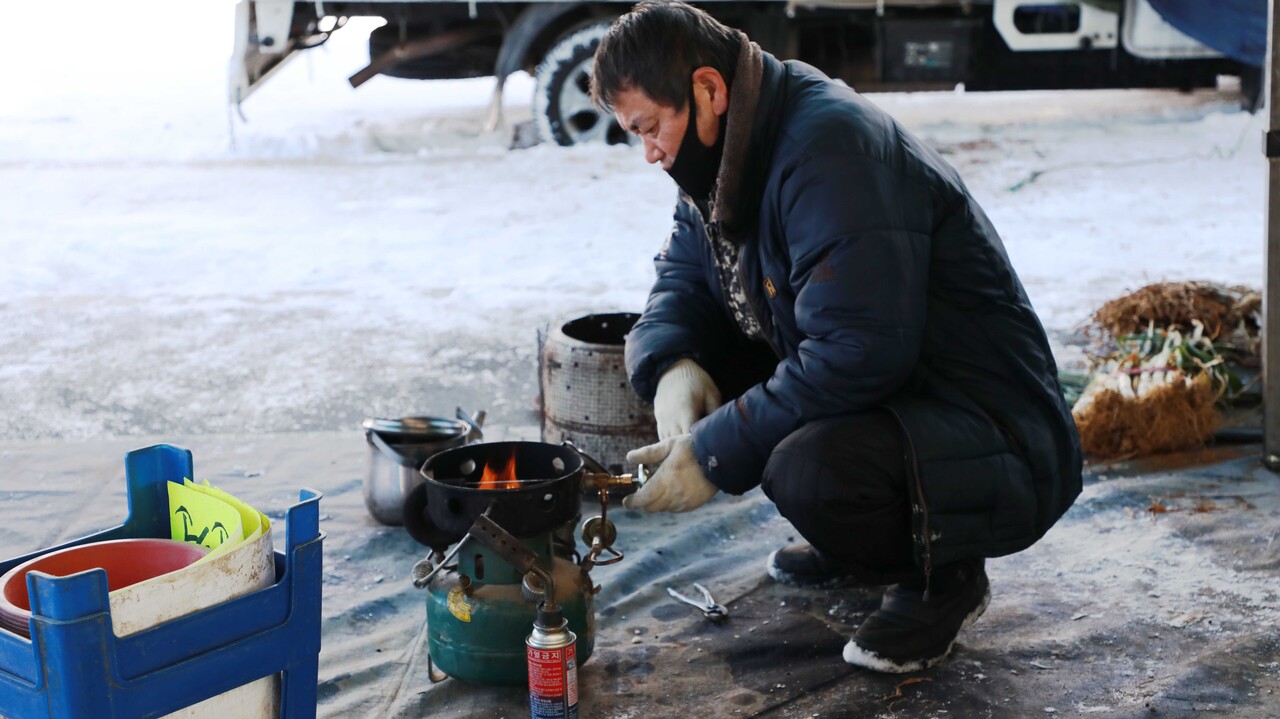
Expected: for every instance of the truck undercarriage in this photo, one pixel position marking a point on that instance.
(874, 45)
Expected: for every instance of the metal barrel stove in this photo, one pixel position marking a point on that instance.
(586, 396)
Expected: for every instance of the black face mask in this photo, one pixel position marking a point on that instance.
(697, 165)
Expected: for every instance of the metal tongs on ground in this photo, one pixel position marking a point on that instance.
(710, 608)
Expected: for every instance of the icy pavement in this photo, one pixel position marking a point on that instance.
(1118, 612)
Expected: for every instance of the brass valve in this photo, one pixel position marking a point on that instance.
(599, 533)
(603, 481)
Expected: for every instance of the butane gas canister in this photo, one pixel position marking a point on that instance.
(553, 668)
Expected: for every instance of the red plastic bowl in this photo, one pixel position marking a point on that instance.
(127, 561)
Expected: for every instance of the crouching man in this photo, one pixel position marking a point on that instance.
(829, 277)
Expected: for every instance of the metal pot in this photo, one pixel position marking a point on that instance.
(397, 450)
(441, 510)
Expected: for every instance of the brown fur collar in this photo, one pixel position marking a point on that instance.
(727, 204)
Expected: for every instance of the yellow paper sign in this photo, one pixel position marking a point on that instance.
(200, 518)
(205, 515)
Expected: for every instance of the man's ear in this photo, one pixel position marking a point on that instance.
(708, 82)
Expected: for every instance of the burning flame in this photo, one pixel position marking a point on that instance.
(500, 479)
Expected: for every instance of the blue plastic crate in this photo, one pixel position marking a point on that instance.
(74, 667)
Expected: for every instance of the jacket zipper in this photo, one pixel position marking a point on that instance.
(924, 508)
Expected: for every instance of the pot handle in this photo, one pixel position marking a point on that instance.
(474, 434)
(598, 475)
(386, 449)
(588, 462)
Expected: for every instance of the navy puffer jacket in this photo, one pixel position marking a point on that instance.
(880, 283)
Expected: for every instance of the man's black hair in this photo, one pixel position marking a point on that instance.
(656, 47)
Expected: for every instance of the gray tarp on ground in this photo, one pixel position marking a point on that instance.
(1118, 612)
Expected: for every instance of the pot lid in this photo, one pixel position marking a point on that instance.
(415, 426)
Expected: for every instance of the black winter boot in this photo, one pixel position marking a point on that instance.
(910, 632)
(806, 566)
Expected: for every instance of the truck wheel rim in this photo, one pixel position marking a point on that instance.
(581, 120)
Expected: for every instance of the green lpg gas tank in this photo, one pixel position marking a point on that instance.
(476, 629)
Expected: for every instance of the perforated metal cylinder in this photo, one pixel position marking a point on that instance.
(586, 397)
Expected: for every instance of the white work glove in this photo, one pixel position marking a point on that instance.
(678, 485)
(686, 394)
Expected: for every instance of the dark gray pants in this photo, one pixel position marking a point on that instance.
(841, 481)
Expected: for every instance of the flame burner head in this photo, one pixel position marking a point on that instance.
(529, 488)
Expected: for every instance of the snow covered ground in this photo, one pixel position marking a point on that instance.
(171, 269)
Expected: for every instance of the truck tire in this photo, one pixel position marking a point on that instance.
(562, 107)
